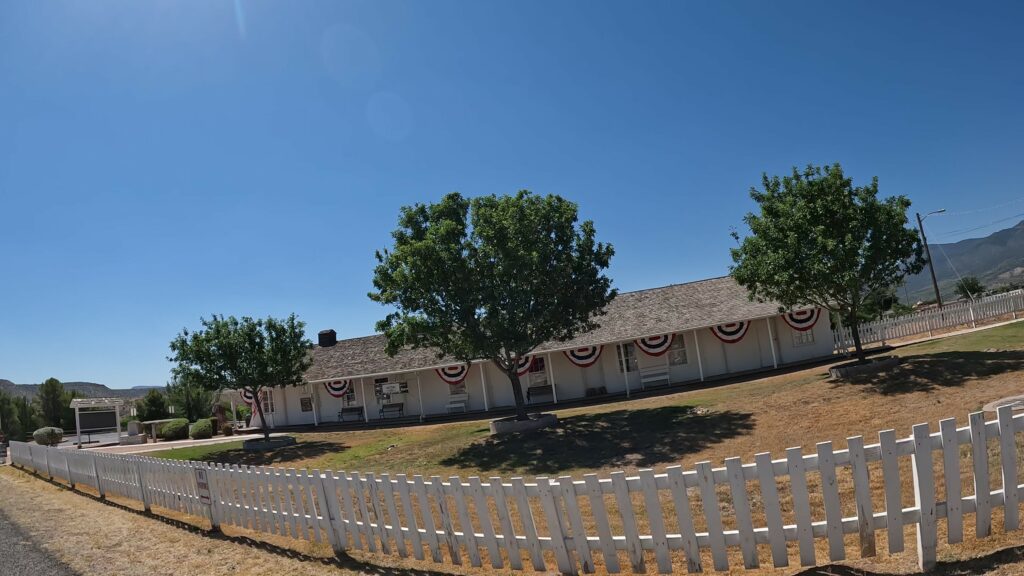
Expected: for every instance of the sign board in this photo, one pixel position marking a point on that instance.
(92, 420)
(391, 388)
(203, 486)
(306, 403)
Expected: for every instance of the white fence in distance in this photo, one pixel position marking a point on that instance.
(658, 515)
(966, 313)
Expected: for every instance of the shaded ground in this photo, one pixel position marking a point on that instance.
(927, 372)
(620, 439)
(23, 556)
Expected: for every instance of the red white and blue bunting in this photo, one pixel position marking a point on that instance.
(802, 320)
(732, 332)
(338, 388)
(246, 396)
(655, 345)
(585, 356)
(453, 375)
(523, 366)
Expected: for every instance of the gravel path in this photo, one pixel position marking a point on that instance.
(24, 557)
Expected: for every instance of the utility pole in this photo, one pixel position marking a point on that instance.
(928, 252)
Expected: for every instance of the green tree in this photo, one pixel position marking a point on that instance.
(246, 354)
(491, 278)
(67, 413)
(28, 416)
(51, 402)
(189, 398)
(152, 406)
(819, 240)
(969, 288)
(10, 424)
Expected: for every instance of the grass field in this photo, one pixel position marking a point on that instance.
(938, 379)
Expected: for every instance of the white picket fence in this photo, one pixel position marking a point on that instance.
(672, 516)
(950, 316)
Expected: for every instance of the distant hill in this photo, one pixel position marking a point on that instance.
(996, 259)
(86, 389)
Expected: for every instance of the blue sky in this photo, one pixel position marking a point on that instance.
(163, 160)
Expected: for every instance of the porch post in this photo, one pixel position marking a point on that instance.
(700, 364)
(551, 377)
(771, 342)
(117, 422)
(419, 394)
(623, 365)
(313, 397)
(78, 428)
(362, 392)
(483, 386)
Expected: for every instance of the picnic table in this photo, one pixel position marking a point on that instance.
(153, 425)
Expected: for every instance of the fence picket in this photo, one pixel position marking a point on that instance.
(396, 522)
(893, 495)
(772, 510)
(465, 522)
(801, 505)
(378, 513)
(600, 514)
(862, 496)
(712, 514)
(511, 543)
(924, 496)
(625, 505)
(982, 491)
(656, 521)
(1008, 464)
(951, 477)
(447, 520)
(410, 516)
(483, 514)
(830, 492)
(427, 514)
(353, 527)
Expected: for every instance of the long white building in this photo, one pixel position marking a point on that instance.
(677, 335)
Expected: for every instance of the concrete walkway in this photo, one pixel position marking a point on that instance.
(157, 446)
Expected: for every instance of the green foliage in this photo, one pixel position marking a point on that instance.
(969, 287)
(152, 406)
(243, 413)
(491, 277)
(246, 354)
(48, 436)
(51, 401)
(28, 416)
(818, 240)
(227, 430)
(10, 423)
(176, 429)
(188, 396)
(67, 413)
(201, 430)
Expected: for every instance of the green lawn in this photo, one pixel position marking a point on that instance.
(938, 379)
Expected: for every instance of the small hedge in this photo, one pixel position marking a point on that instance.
(201, 430)
(176, 429)
(48, 436)
(227, 430)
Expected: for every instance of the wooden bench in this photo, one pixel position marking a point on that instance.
(539, 391)
(457, 402)
(652, 375)
(393, 410)
(351, 412)
(599, 391)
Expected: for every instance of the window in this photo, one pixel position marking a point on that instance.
(538, 375)
(537, 365)
(677, 353)
(630, 352)
(803, 338)
(306, 404)
(383, 388)
(267, 398)
(349, 399)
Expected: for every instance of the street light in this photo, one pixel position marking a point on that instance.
(928, 252)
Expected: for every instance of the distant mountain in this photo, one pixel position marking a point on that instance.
(85, 389)
(996, 260)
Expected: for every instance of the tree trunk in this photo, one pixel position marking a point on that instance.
(517, 393)
(855, 332)
(259, 410)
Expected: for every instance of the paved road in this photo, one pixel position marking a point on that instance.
(24, 557)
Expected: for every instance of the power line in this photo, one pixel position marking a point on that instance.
(986, 209)
(983, 226)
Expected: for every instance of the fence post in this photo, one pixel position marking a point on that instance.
(142, 484)
(46, 461)
(96, 474)
(215, 510)
(924, 498)
(970, 308)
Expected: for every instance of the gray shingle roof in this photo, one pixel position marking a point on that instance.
(656, 311)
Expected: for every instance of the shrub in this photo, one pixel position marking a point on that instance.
(48, 436)
(214, 424)
(176, 429)
(202, 429)
(227, 430)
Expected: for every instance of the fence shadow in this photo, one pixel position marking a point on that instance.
(977, 566)
(928, 372)
(623, 438)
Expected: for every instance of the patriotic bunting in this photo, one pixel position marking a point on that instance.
(523, 366)
(246, 396)
(338, 388)
(655, 345)
(732, 332)
(802, 320)
(585, 356)
(453, 374)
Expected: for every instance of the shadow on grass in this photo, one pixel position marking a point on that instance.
(296, 452)
(621, 438)
(1007, 557)
(928, 372)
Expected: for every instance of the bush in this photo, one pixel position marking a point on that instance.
(48, 436)
(201, 430)
(227, 430)
(176, 429)
(214, 424)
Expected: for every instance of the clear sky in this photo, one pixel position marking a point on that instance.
(164, 160)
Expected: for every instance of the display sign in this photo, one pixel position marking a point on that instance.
(93, 420)
(306, 403)
(391, 388)
(203, 486)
